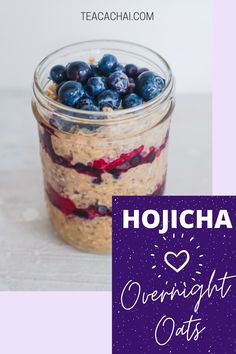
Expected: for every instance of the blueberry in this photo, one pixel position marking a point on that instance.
(119, 67)
(132, 86)
(108, 98)
(135, 161)
(80, 167)
(151, 156)
(115, 173)
(107, 63)
(95, 70)
(79, 71)
(96, 85)
(149, 85)
(102, 209)
(86, 94)
(89, 107)
(97, 180)
(84, 101)
(131, 70)
(141, 70)
(131, 100)
(58, 74)
(58, 87)
(118, 82)
(70, 92)
(61, 124)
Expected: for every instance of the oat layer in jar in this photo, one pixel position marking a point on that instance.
(88, 157)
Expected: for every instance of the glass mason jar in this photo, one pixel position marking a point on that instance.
(87, 157)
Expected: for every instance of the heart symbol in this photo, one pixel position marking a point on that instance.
(177, 270)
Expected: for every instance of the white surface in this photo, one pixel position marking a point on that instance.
(31, 256)
(181, 32)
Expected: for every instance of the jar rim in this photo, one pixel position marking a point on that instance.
(70, 113)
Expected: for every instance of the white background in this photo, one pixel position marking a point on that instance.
(30, 29)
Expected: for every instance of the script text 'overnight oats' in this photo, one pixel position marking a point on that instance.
(103, 110)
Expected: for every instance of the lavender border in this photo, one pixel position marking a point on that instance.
(81, 322)
(224, 98)
(55, 322)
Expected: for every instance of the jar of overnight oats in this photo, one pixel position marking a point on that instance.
(88, 157)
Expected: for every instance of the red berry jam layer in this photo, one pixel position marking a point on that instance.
(122, 164)
(68, 207)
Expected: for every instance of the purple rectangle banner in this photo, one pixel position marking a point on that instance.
(174, 275)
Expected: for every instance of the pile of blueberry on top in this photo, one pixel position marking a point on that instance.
(107, 84)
